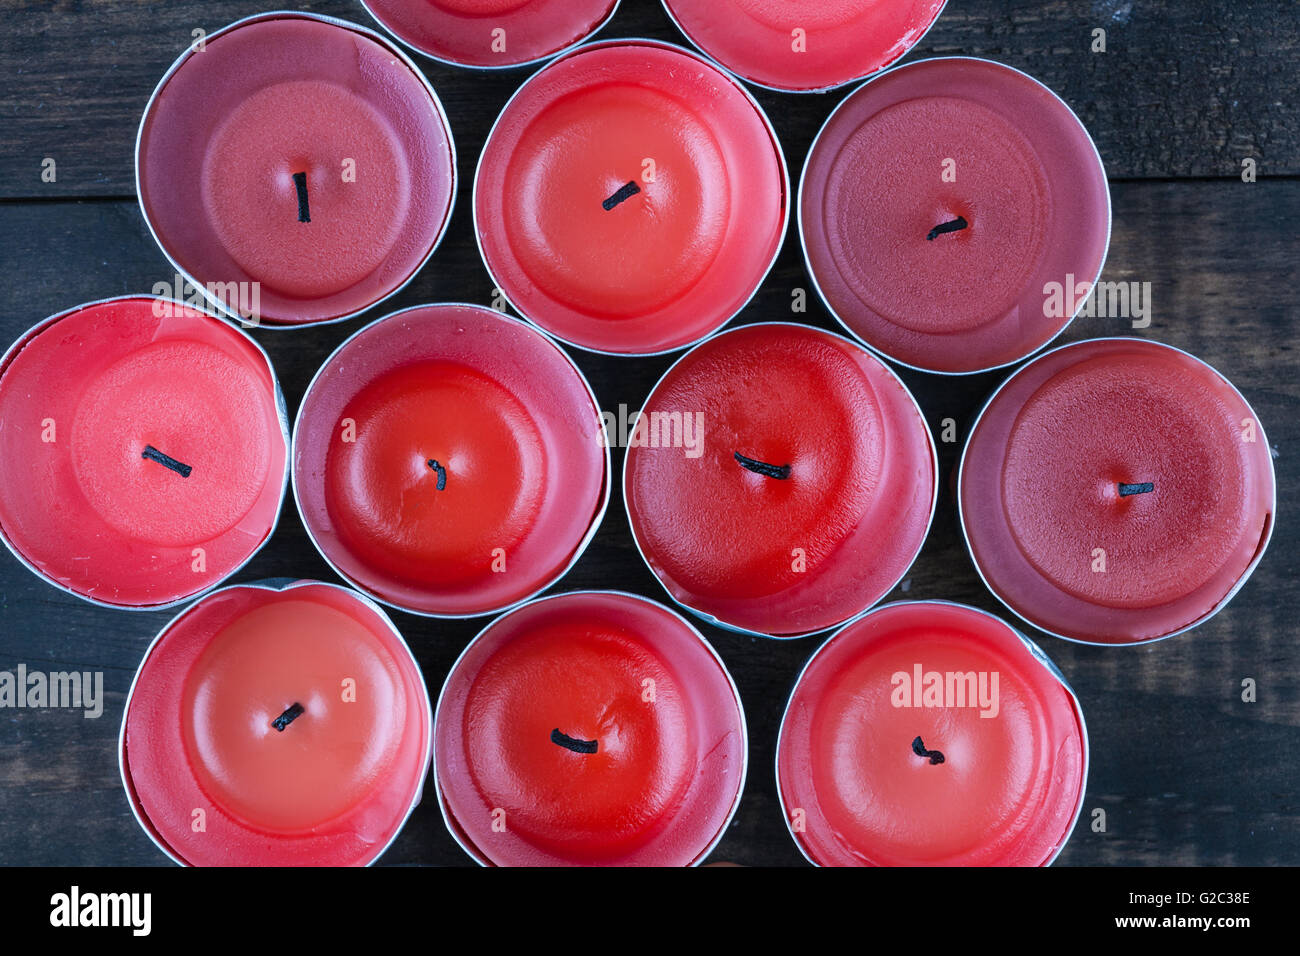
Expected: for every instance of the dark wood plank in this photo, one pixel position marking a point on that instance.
(1186, 772)
(1183, 89)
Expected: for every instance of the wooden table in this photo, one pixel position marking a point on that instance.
(1184, 769)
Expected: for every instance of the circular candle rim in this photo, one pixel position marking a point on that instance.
(544, 58)
(1034, 650)
(1232, 592)
(803, 244)
(281, 414)
(870, 74)
(776, 146)
(277, 585)
(597, 518)
(462, 840)
(215, 303)
(929, 521)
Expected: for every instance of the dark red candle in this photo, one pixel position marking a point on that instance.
(592, 728)
(491, 33)
(449, 460)
(940, 205)
(802, 47)
(630, 198)
(930, 733)
(1117, 490)
(781, 480)
(276, 724)
(143, 451)
(299, 164)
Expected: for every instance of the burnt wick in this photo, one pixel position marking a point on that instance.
(440, 471)
(300, 183)
(780, 472)
(1141, 488)
(291, 713)
(573, 743)
(918, 748)
(153, 454)
(626, 191)
(951, 225)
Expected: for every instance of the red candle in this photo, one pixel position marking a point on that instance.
(630, 198)
(143, 451)
(930, 733)
(449, 460)
(296, 168)
(592, 728)
(491, 33)
(1116, 491)
(804, 47)
(802, 487)
(940, 204)
(276, 725)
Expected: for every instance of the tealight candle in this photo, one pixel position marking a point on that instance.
(276, 725)
(450, 460)
(1116, 490)
(930, 733)
(295, 168)
(592, 728)
(781, 480)
(143, 451)
(942, 203)
(630, 198)
(803, 47)
(491, 33)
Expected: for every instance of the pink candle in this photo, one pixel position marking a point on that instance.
(1116, 491)
(143, 451)
(297, 167)
(781, 480)
(630, 198)
(930, 733)
(276, 725)
(803, 47)
(941, 203)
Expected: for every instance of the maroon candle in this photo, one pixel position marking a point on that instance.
(299, 164)
(941, 202)
(1116, 491)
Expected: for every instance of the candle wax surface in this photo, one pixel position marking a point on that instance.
(333, 785)
(491, 33)
(1013, 771)
(81, 400)
(290, 117)
(628, 679)
(1040, 491)
(929, 144)
(804, 46)
(793, 555)
(677, 257)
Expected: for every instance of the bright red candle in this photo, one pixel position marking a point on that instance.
(942, 202)
(930, 733)
(591, 728)
(802, 47)
(93, 404)
(304, 155)
(830, 505)
(491, 33)
(276, 726)
(1116, 491)
(630, 198)
(449, 460)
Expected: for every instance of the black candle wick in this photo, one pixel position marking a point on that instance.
(626, 191)
(291, 713)
(440, 471)
(780, 472)
(1141, 488)
(300, 183)
(153, 454)
(951, 225)
(918, 748)
(573, 743)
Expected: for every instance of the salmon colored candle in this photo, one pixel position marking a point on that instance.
(297, 168)
(449, 460)
(630, 198)
(143, 451)
(940, 205)
(931, 734)
(491, 33)
(802, 492)
(276, 724)
(590, 728)
(1116, 491)
(802, 47)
